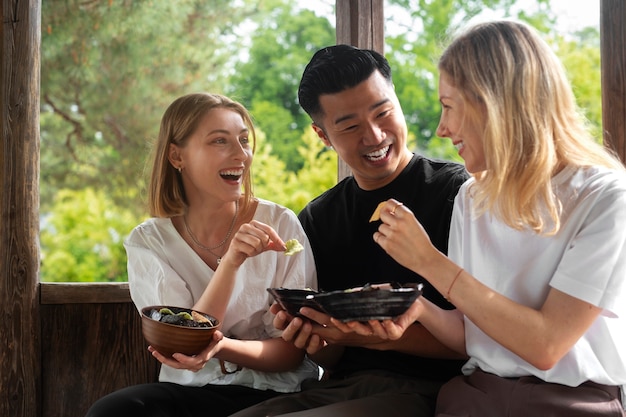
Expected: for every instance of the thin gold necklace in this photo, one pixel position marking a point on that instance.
(210, 249)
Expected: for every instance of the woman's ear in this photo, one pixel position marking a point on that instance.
(321, 134)
(175, 157)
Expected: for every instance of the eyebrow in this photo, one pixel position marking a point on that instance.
(352, 115)
(226, 132)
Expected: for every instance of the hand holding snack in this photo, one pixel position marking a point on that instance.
(403, 237)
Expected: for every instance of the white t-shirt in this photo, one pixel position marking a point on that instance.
(586, 259)
(164, 270)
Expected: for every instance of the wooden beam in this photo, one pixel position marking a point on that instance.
(613, 58)
(84, 293)
(20, 339)
(359, 23)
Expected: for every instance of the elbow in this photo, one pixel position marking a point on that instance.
(546, 359)
(544, 365)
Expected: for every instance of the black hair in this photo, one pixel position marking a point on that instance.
(336, 68)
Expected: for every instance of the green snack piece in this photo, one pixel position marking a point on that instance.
(293, 246)
(185, 315)
(166, 311)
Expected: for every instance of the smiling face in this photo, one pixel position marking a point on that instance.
(456, 124)
(366, 127)
(215, 158)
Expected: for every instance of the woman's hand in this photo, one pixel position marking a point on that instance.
(390, 329)
(191, 363)
(403, 237)
(250, 240)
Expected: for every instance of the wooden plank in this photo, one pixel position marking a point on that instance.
(92, 292)
(613, 55)
(20, 366)
(359, 23)
(88, 351)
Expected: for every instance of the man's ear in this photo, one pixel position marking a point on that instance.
(321, 134)
(174, 156)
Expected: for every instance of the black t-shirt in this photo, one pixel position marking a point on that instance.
(337, 225)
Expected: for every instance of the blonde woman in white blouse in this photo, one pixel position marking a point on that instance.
(211, 245)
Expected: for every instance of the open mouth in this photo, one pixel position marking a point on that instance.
(379, 154)
(232, 174)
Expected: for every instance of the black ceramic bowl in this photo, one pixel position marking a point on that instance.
(368, 303)
(293, 299)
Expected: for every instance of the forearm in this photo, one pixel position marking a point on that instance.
(215, 298)
(419, 341)
(270, 355)
(539, 336)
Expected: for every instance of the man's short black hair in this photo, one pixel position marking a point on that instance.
(336, 68)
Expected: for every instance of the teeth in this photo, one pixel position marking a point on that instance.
(458, 145)
(379, 154)
(232, 172)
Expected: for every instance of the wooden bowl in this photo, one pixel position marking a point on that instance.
(169, 338)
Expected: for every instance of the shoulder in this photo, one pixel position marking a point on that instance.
(151, 230)
(439, 170)
(275, 214)
(339, 192)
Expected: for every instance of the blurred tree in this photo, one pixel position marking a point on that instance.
(282, 43)
(109, 69)
(294, 190)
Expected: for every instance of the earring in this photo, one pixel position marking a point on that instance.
(180, 170)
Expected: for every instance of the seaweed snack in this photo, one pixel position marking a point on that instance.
(293, 246)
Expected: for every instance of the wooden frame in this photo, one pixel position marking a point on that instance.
(56, 339)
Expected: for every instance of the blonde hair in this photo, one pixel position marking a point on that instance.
(166, 193)
(512, 81)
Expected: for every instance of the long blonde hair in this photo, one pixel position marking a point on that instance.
(509, 77)
(166, 194)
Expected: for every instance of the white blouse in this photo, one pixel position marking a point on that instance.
(585, 259)
(164, 270)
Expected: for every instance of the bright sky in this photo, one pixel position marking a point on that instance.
(574, 14)
(571, 15)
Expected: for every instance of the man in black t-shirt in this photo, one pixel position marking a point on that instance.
(349, 95)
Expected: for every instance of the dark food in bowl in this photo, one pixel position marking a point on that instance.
(177, 333)
(182, 317)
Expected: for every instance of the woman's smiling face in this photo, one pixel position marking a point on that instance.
(216, 156)
(463, 131)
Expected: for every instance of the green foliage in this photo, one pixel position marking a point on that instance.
(109, 69)
(581, 59)
(267, 82)
(295, 190)
(82, 238)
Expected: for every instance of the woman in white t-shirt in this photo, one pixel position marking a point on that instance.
(213, 246)
(536, 262)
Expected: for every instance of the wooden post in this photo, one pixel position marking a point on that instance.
(359, 23)
(613, 55)
(20, 367)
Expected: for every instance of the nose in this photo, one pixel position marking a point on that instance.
(442, 129)
(374, 134)
(240, 152)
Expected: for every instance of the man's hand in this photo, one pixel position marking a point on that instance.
(384, 329)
